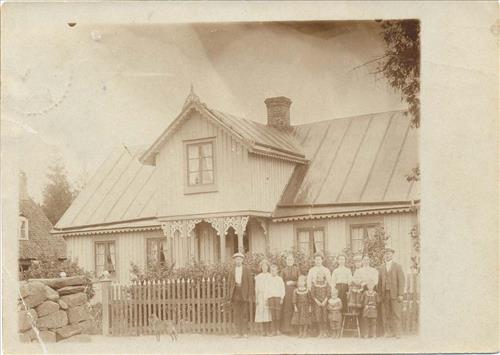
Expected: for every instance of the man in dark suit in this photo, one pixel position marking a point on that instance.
(391, 284)
(241, 292)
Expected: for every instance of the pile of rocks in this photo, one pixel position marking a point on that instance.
(56, 309)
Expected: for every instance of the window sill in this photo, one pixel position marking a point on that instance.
(188, 190)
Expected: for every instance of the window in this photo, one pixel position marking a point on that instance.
(23, 228)
(311, 240)
(156, 251)
(358, 234)
(200, 164)
(105, 258)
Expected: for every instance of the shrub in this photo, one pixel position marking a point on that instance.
(48, 267)
(415, 259)
(374, 246)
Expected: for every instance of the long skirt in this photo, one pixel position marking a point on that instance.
(287, 309)
(342, 290)
(262, 313)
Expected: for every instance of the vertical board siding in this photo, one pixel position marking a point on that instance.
(130, 247)
(244, 181)
(398, 226)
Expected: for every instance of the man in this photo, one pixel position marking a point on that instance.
(241, 291)
(318, 268)
(391, 284)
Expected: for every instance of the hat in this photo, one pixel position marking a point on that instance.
(319, 254)
(389, 250)
(238, 255)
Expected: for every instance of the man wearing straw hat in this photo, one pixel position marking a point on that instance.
(391, 284)
(241, 291)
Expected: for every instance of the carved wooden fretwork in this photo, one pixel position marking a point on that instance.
(220, 224)
(191, 224)
(217, 223)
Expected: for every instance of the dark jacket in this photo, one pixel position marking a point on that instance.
(395, 277)
(247, 284)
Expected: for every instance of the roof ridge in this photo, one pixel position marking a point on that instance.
(346, 117)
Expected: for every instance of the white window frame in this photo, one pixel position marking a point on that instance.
(26, 228)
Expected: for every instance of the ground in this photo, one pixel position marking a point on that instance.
(217, 344)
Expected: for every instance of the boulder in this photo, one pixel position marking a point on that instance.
(31, 334)
(24, 338)
(48, 336)
(80, 338)
(47, 307)
(68, 290)
(86, 326)
(63, 304)
(51, 294)
(25, 319)
(74, 300)
(35, 294)
(78, 314)
(61, 282)
(68, 331)
(23, 289)
(57, 319)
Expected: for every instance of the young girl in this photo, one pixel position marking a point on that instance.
(334, 312)
(320, 293)
(262, 313)
(370, 300)
(301, 304)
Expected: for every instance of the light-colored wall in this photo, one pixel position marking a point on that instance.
(244, 181)
(130, 247)
(282, 236)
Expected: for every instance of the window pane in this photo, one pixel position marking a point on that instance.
(193, 151)
(152, 251)
(206, 150)
(318, 238)
(194, 179)
(357, 236)
(206, 163)
(303, 244)
(208, 177)
(193, 165)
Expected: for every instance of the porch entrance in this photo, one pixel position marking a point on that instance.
(208, 243)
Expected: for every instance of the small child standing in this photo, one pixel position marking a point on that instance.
(275, 294)
(301, 304)
(370, 300)
(320, 293)
(334, 308)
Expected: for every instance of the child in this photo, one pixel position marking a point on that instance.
(301, 304)
(320, 293)
(354, 296)
(370, 300)
(334, 312)
(275, 294)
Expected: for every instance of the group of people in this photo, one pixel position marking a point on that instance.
(290, 303)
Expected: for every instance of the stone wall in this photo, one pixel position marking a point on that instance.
(52, 310)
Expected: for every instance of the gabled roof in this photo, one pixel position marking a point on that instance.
(122, 189)
(256, 137)
(40, 241)
(355, 160)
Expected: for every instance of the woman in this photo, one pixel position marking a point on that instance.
(262, 313)
(341, 278)
(290, 275)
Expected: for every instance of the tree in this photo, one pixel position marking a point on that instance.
(57, 194)
(400, 65)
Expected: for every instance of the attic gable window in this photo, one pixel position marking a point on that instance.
(23, 228)
(200, 166)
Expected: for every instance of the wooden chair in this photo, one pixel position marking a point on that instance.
(350, 318)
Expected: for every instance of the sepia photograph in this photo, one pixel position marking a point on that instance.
(216, 187)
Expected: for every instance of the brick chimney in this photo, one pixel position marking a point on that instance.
(23, 186)
(278, 112)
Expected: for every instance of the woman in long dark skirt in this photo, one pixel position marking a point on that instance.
(290, 274)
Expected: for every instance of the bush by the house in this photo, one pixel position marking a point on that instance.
(48, 267)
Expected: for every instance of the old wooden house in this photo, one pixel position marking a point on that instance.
(213, 184)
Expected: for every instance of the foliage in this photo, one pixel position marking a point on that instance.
(415, 236)
(414, 175)
(401, 65)
(57, 194)
(197, 270)
(374, 246)
(48, 267)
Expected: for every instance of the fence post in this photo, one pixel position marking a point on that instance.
(105, 305)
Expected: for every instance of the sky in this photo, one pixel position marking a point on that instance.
(74, 93)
